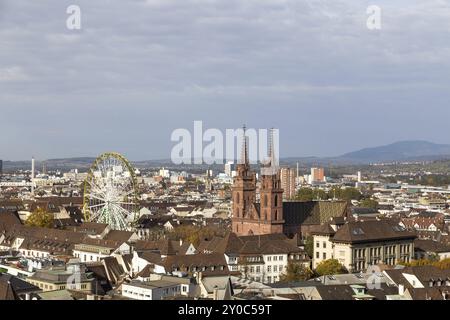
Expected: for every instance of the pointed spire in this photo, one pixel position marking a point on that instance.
(244, 150)
(273, 160)
(271, 148)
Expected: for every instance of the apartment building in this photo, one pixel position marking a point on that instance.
(360, 244)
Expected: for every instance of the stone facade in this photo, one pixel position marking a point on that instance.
(250, 217)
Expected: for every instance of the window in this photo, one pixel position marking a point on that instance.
(252, 269)
(324, 244)
(280, 268)
(258, 269)
(317, 244)
(269, 268)
(269, 258)
(269, 279)
(324, 255)
(275, 269)
(317, 255)
(275, 258)
(280, 258)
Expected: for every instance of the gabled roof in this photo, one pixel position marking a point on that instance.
(231, 244)
(118, 235)
(424, 274)
(195, 260)
(323, 229)
(430, 246)
(371, 230)
(312, 212)
(11, 287)
(335, 292)
(432, 293)
(8, 219)
(164, 246)
(90, 228)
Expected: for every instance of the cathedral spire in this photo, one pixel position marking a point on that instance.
(244, 150)
(271, 151)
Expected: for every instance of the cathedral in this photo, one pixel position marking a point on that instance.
(249, 216)
(270, 214)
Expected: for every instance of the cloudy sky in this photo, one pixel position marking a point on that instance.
(138, 69)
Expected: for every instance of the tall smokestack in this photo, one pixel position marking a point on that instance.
(32, 176)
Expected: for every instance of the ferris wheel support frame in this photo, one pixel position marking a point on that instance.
(87, 186)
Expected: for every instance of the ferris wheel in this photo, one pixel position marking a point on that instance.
(110, 194)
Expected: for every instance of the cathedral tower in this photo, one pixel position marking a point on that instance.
(243, 191)
(248, 216)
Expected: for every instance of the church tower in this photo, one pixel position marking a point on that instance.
(249, 217)
(243, 191)
(271, 193)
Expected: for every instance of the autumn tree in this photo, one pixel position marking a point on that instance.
(308, 194)
(296, 272)
(195, 234)
(442, 264)
(430, 261)
(40, 218)
(369, 203)
(330, 266)
(309, 246)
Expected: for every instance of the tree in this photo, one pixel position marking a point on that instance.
(369, 203)
(296, 272)
(309, 246)
(443, 264)
(195, 234)
(344, 193)
(40, 218)
(431, 261)
(330, 266)
(308, 194)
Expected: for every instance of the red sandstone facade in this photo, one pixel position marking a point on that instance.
(250, 217)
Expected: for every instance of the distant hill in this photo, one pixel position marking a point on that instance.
(399, 151)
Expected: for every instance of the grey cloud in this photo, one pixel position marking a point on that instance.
(139, 69)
